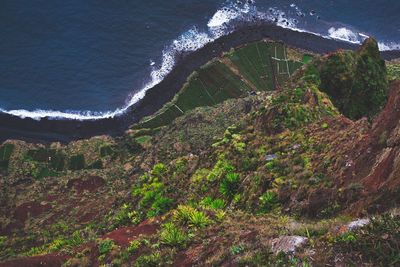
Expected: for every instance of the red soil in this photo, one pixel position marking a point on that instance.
(32, 209)
(50, 260)
(90, 184)
(123, 236)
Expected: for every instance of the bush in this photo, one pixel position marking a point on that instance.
(160, 205)
(211, 203)
(125, 216)
(105, 246)
(182, 214)
(229, 185)
(187, 215)
(199, 219)
(171, 235)
(221, 168)
(151, 192)
(151, 260)
(134, 246)
(3, 240)
(268, 200)
(159, 170)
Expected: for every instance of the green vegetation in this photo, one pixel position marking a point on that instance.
(76, 162)
(224, 185)
(58, 244)
(105, 246)
(393, 69)
(268, 200)
(152, 192)
(263, 66)
(171, 235)
(378, 242)
(106, 150)
(5, 154)
(151, 260)
(189, 216)
(356, 82)
(229, 185)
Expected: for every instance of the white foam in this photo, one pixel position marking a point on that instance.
(344, 34)
(222, 17)
(388, 46)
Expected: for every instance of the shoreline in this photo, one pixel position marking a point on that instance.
(50, 130)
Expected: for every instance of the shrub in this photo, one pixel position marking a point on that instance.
(160, 205)
(126, 215)
(229, 185)
(3, 240)
(190, 216)
(181, 165)
(57, 161)
(134, 246)
(268, 200)
(236, 249)
(159, 170)
(199, 219)
(211, 203)
(182, 214)
(105, 246)
(151, 192)
(151, 260)
(171, 235)
(222, 167)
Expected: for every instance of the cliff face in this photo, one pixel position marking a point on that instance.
(268, 178)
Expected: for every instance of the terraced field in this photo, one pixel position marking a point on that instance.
(259, 66)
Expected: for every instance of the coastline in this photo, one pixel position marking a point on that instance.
(49, 130)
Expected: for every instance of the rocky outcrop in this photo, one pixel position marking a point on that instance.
(356, 81)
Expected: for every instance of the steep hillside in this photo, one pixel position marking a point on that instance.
(259, 66)
(271, 178)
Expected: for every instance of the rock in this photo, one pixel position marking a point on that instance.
(357, 224)
(128, 167)
(180, 147)
(288, 244)
(271, 157)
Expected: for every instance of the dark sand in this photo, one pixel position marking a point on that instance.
(46, 130)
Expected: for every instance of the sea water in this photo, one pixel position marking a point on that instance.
(85, 59)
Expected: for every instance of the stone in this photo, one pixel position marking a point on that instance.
(288, 244)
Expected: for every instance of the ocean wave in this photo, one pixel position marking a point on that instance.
(190, 41)
(220, 24)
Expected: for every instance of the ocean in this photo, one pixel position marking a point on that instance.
(90, 59)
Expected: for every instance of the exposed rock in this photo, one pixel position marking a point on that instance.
(288, 244)
(357, 224)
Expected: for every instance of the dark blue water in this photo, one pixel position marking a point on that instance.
(75, 56)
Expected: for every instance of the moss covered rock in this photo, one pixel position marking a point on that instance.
(356, 81)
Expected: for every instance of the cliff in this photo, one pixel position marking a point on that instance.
(277, 172)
